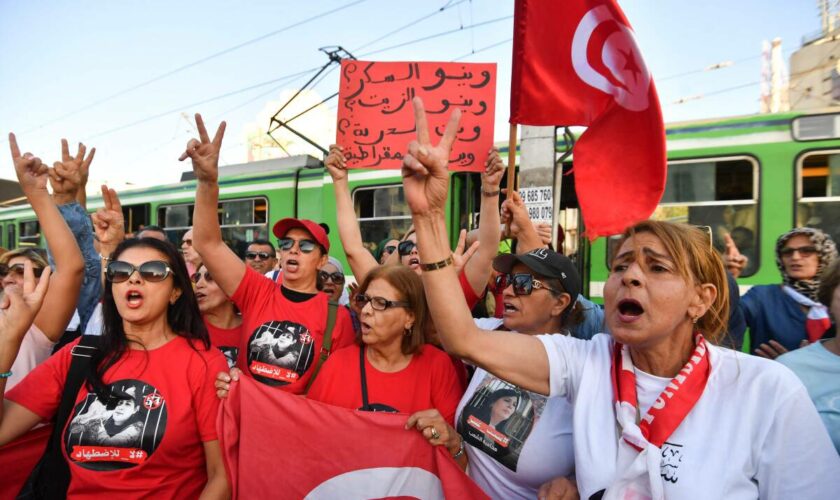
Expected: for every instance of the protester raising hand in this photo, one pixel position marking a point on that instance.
(108, 222)
(424, 170)
(733, 260)
(204, 152)
(31, 172)
(515, 216)
(20, 305)
(462, 255)
(66, 176)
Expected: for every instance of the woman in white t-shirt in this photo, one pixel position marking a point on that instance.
(659, 411)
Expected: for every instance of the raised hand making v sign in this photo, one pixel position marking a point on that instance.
(204, 152)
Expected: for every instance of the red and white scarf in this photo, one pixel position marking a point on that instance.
(642, 436)
(817, 321)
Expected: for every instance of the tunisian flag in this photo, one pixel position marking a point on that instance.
(576, 62)
(279, 445)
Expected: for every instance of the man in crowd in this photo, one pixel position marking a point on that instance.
(155, 232)
(261, 256)
(190, 255)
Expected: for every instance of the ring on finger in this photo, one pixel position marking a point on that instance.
(435, 433)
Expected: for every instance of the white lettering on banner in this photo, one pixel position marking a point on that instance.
(538, 201)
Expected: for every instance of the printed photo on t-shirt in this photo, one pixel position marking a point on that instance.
(498, 419)
(230, 354)
(280, 352)
(117, 432)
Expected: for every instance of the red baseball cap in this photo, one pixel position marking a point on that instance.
(283, 226)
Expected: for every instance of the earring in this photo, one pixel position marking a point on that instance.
(408, 330)
(694, 319)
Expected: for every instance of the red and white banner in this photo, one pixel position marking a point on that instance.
(577, 63)
(18, 458)
(279, 444)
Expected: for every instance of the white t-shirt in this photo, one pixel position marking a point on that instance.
(35, 348)
(541, 438)
(754, 432)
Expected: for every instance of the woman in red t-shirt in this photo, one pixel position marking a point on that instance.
(391, 369)
(145, 421)
(223, 322)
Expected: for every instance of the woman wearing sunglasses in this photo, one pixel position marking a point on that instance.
(784, 317)
(223, 322)
(331, 279)
(659, 411)
(390, 368)
(516, 440)
(296, 305)
(66, 281)
(155, 350)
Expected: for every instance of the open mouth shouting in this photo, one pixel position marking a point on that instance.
(134, 298)
(629, 310)
(291, 265)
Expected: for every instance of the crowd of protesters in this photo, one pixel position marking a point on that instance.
(533, 390)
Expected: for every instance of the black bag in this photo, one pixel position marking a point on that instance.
(50, 477)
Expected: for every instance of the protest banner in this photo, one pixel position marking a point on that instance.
(376, 118)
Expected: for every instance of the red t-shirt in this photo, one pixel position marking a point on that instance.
(226, 340)
(469, 293)
(149, 439)
(281, 339)
(429, 381)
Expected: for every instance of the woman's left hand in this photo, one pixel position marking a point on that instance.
(559, 488)
(434, 428)
(773, 349)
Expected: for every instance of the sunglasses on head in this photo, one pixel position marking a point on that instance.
(405, 247)
(523, 284)
(17, 269)
(335, 277)
(154, 271)
(378, 303)
(805, 251)
(305, 246)
(196, 277)
(261, 255)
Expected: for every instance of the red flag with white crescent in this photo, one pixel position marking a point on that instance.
(577, 63)
(277, 444)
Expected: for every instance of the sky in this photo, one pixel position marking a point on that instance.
(126, 76)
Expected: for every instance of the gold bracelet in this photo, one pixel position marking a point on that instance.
(434, 266)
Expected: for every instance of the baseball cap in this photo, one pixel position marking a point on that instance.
(283, 226)
(546, 263)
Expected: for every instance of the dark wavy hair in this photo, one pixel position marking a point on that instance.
(183, 316)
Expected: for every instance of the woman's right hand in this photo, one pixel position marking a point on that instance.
(21, 305)
(336, 164)
(435, 429)
(31, 173)
(108, 222)
(223, 381)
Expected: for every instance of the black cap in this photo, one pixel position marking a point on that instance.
(546, 263)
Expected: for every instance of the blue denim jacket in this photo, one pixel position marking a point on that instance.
(80, 225)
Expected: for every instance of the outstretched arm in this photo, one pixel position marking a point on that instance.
(519, 359)
(361, 261)
(521, 227)
(479, 266)
(60, 301)
(225, 266)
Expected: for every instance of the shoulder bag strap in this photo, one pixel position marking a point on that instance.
(362, 372)
(81, 356)
(326, 344)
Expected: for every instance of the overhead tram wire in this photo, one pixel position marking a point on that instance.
(194, 63)
(482, 49)
(448, 5)
(436, 35)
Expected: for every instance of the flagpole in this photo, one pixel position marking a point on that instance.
(511, 173)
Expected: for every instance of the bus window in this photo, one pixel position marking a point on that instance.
(818, 192)
(136, 217)
(11, 238)
(241, 221)
(718, 192)
(382, 213)
(30, 233)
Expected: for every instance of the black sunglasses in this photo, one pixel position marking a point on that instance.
(335, 277)
(154, 271)
(306, 246)
(261, 255)
(389, 249)
(405, 247)
(378, 303)
(17, 269)
(523, 284)
(805, 251)
(196, 277)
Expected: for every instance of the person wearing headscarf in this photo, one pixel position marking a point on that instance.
(787, 316)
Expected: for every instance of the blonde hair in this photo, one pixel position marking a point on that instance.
(30, 253)
(697, 262)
